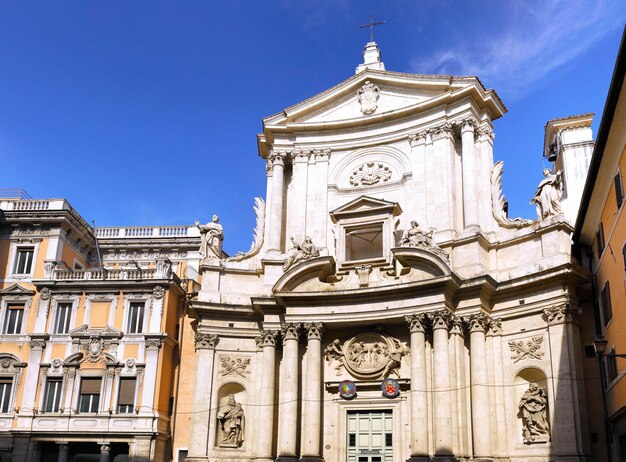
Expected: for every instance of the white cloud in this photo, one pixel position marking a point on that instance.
(537, 38)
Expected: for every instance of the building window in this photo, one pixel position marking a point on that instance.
(605, 303)
(62, 321)
(52, 397)
(89, 398)
(364, 243)
(13, 318)
(600, 240)
(619, 190)
(126, 399)
(6, 386)
(24, 260)
(611, 365)
(135, 317)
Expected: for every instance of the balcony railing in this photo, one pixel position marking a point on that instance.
(133, 232)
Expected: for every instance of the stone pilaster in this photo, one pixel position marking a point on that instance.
(200, 418)
(470, 173)
(37, 346)
(105, 451)
(441, 381)
(288, 394)
(481, 423)
(264, 432)
(484, 149)
(297, 215)
(63, 454)
(312, 390)
(562, 334)
(419, 397)
(460, 417)
(498, 432)
(275, 230)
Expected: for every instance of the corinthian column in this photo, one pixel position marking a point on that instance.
(312, 391)
(419, 398)
(275, 231)
(441, 382)
(481, 424)
(470, 174)
(200, 424)
(265, 425)
(288, 394)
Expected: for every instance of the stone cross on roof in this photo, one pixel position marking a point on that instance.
(371, 26)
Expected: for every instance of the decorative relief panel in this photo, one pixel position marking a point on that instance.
(367, 356)
(234, 365)
(370, 173)
(529, 349)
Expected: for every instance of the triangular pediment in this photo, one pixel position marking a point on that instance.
(365, 205)
(397, 93)
(16, 289)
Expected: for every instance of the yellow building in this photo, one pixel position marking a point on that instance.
(88, 334)
(601, 234)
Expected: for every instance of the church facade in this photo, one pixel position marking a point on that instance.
(389, 309)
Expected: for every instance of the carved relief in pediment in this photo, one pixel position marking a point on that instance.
(370, 173)
(367, 355)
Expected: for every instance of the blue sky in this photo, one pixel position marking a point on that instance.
(145, 113)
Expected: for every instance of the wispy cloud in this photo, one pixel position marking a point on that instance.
(536, 39)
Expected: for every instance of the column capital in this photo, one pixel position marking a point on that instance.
(290, 331)
(444, 130)
(468, 125)
(300, 155)
(495, 327)
(441, 319)
(566, 313)
(267, 338)
(314, 330)
(105, 447)
(38, 341)
(321, 155)
(478, 322)
(206, 341)
(277, 158)
(457, 326)
(417, 322)
(485, 133)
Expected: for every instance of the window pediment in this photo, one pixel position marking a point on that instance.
(364, 206)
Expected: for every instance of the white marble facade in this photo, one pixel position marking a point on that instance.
(474, 314)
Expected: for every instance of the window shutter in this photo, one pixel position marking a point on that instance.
(619, 191)
(89, 386)
(127, 392)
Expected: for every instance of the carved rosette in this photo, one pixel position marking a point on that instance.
(442, 319)
(417, 322)
(206, 341)
(562, 314)
(290, 331)
(314, 330)
(478, 322)
(267, 338)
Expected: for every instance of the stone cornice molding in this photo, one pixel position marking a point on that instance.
(314, 330)
(291, 331)
(560, 314)
(267, 338)
(206, 341)
(417, 322)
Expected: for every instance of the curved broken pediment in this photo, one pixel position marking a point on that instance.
(316, 268)
(429, 264)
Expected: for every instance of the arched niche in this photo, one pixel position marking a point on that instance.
(528, 425)
(231, 416)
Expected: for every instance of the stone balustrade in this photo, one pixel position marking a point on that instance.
(134, 232)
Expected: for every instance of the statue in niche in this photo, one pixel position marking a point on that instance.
(548, 195)
(533, 409)
(416, 237)
(212, 235)
(232, 421)
(300, 252)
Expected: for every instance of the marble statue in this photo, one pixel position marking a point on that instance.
(334, 351)
(300, 252)
(533, 409)
(548, 195)
(232, 421)
(416, 237)
(212, 235)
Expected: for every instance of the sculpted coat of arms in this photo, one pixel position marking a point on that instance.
(367, 356)
(368, 97)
